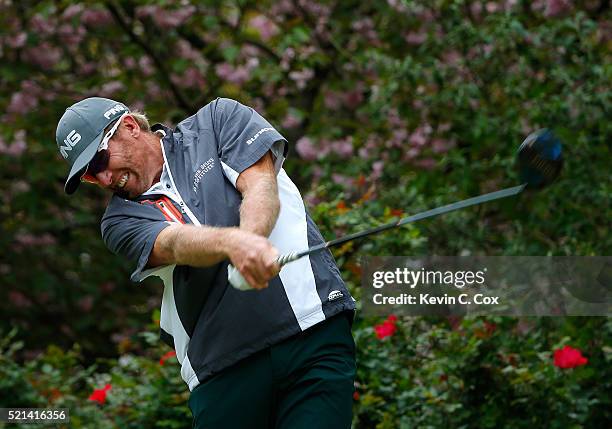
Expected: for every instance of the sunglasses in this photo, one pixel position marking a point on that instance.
(97, 164)
(100, 160)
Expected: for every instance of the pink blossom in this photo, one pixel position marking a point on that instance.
(237, 75)
(306, 149)
(164, 18)
(146, 66)
(509, 4)
(85, 304)
(286, 58)
(70, 35)
(264, 26)
(332, 100)
(315, 9)
(88, 68)
(411, 153)
(18, 40)
(492, 7)
(20, 187)
(193, 78)
(282, 7)
(353, 98)
(18, 146)
(96, 17)
(397, 5)
(419, 136)
(154, 91)
(291, 121)
(415, 38)
(451, 57)
(441, 146)
(129, 63)
(26, 239)
(342, 180)
(107, 287)
(343, 148)
(557, 7)
(394, 118)
(185, 50)
(398, 137)
(301, 77)
(72, 11)
(426, 164)
(19, 300)
(476, 9)
(444, 127)
(377, 169)
(365, 27)
(44, 55)
(22, 103)
(41, 25)
(111, 88)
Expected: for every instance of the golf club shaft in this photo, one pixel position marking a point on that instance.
(238, 281)
(289, 257)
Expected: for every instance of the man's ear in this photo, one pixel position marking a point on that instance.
(131, 126)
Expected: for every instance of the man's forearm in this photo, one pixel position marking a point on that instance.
(197, 246)
(260, 207)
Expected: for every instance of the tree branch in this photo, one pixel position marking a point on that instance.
(165, 75)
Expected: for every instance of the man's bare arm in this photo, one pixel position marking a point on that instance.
(246, 247)
(198, 246)
(260, 204)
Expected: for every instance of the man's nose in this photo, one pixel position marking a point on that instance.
(105, 178)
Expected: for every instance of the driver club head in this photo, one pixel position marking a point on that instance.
(540, 159)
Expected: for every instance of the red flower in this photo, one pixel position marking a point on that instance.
(568, 357)
(99, 395)
(167, 356)
(387, 328)
(356, 395)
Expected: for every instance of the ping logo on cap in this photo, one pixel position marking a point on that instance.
(72, 139)
(113, 110)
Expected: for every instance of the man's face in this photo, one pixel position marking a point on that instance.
(128, 169)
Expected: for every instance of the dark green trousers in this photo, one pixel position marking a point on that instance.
(303, 382)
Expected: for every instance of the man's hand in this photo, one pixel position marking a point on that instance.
(254, 256)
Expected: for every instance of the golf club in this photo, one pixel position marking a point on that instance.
(539, 162)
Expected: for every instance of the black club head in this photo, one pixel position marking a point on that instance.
(540, 159)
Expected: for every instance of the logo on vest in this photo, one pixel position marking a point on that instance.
(257, 134)
(334, 295)
(201, 171)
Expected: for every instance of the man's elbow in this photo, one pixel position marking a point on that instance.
(164, 249)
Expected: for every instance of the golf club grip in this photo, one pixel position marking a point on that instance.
(239, 282)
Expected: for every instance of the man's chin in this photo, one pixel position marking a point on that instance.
(122, 193)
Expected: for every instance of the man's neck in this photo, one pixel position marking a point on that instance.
(157, 157)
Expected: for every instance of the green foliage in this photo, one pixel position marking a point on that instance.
(143, 393)
(495, 372)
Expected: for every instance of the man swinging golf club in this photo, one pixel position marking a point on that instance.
(187, 202)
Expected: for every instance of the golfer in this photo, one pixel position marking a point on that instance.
(187, 202)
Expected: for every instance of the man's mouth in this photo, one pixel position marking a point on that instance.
(124, 179)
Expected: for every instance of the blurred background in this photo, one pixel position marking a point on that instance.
(390, 107)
